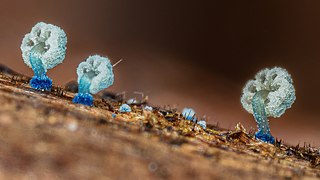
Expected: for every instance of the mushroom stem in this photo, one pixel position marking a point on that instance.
(259, 113)
(84, 97)
(40, 80)
(84, 84)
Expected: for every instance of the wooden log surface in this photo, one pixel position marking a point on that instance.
(43, 135)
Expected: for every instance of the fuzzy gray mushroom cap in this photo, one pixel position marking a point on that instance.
(277, 81)
(99, 71)
(54, 42)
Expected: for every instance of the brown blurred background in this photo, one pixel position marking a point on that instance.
(198, 54)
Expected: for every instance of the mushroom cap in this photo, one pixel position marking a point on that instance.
(54, 39)
(99, 71)
(278, 82)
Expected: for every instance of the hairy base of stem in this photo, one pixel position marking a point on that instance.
(43, 83)
(83, 98)
(265, 137)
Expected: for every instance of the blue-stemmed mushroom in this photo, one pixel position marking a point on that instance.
(270, 94)
(94, 75)
(42, 49)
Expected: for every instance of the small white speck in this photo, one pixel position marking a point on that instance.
(132, 101)
(148, 108)
(73, 126)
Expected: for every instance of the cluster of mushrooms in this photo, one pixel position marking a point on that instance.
(268, 95)
(45, 47)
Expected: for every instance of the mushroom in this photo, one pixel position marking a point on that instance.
(188, 114)
(94, 75)
(268, 95)
(202, 123)
(124, 108)
(42, 49)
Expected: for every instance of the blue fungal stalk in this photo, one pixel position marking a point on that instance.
(94, 75)
(268, 95)
(42, 49)
(124, 108)
(188, 114)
